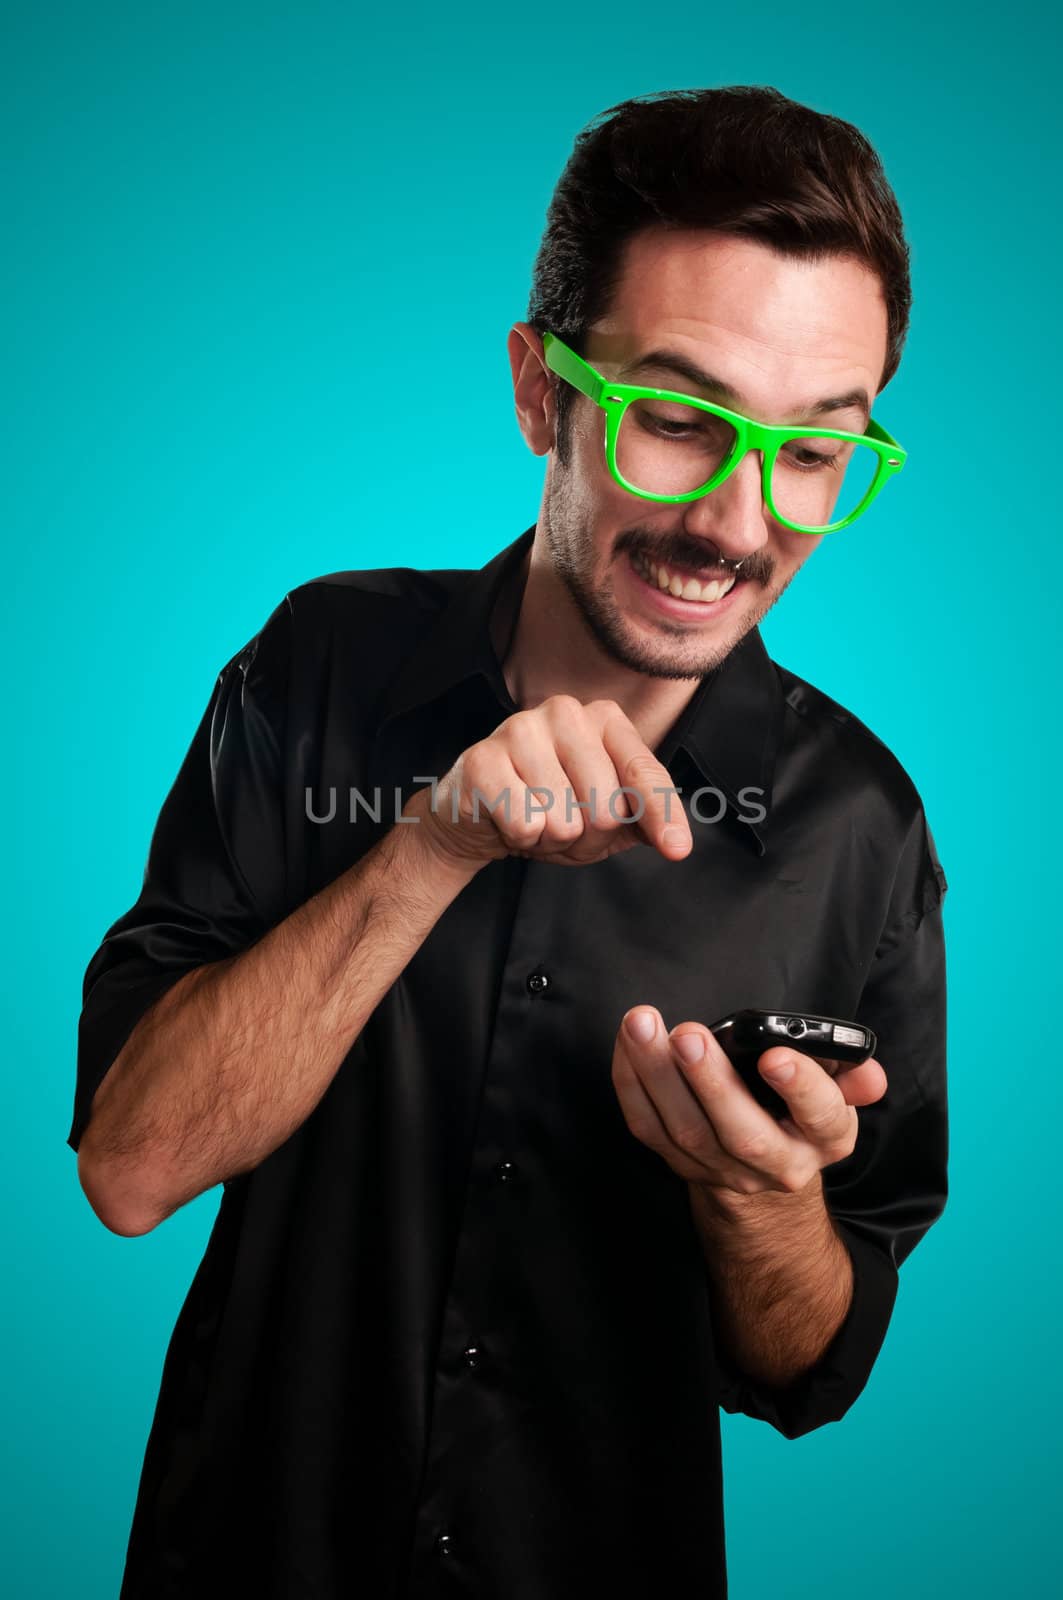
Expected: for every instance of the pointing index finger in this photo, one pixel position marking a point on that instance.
(661, 820)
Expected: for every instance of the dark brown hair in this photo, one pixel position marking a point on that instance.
(741, 160)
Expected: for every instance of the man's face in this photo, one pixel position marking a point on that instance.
(782, 334)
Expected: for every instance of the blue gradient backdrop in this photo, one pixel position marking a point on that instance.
(228, 230)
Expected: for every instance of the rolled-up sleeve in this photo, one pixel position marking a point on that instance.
(214, 881)
(885, 1196)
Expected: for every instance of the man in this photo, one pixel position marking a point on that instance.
(501, 1225)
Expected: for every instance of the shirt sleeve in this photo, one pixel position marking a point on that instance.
(215, 878)
(885, 1196)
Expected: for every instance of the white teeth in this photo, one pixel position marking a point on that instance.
(684, 588)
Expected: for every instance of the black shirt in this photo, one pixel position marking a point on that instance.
(454, 1336)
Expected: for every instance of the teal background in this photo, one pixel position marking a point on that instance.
(231, 232)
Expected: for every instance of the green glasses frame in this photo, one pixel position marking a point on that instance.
(614, 399)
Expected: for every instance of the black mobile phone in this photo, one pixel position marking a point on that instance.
(745, 1035)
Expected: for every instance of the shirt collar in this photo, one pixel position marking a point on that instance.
(730, 728)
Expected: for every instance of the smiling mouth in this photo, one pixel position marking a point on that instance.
(680, 582)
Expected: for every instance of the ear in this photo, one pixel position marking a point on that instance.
(533, 388)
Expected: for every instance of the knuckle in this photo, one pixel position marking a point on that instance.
(520, 732)
(612, 817)
(518, 829)
(843, 1144)
(504, 728)
(475, 764)
(643, 763)
(795, 1178)
(822, 1123)
(753, 1148)
(562, 705)
(562, 827)
(690, 1139)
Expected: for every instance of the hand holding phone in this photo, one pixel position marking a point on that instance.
(745, 1035)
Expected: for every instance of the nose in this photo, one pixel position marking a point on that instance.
(733, 516)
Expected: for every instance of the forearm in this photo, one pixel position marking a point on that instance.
(781, 1278)
(232, 1059)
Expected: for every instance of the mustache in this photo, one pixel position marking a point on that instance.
(757, 567)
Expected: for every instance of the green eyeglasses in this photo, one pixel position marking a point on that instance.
(673, 447)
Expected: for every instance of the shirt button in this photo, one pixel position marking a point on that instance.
(471, 1357)
(504, 1171)
(443, 1545)
(537, 981)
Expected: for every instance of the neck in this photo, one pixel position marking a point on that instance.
(545, 648)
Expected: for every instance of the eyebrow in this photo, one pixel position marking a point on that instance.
(674, 361)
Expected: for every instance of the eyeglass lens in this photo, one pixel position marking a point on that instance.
(666, 447)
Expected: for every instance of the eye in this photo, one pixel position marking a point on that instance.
(673, 430)
(668, 420)
(809, 460)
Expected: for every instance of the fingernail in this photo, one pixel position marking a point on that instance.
(690, 1047)
(783, 1072)
(642, 1025)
